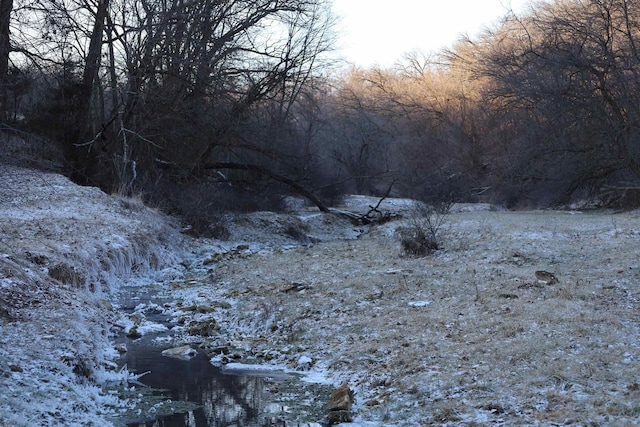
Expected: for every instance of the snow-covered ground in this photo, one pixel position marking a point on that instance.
(466, 336)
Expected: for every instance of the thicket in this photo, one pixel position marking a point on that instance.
(204, 106)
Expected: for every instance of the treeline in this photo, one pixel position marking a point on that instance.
(207, 105)
(542, 110)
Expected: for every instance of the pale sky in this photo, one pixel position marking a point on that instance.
(380, 31)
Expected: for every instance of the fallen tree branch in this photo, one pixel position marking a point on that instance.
(624, 187)
(375, 208)
(359, 219)
(270, 174)
(373, 216)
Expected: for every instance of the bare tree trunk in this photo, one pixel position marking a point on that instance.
(80, 153)
(6, 6)
(92, 65)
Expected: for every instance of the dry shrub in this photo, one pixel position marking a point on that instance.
(297, 231)
(447, 411)
(422, 236)
(66, 274)
(417, 242)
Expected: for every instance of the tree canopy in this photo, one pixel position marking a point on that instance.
(232, 104)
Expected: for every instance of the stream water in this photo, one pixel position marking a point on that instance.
(181, 393)
(216, 399)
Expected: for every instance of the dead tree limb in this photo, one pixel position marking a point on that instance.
(374, 209)
(272, 175)
(373, 216)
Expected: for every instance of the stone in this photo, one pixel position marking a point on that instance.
(133, 333)
(205, 328)
(341, 416)
(341, 398)
(546, 277)
(340, 405)
(184, 352)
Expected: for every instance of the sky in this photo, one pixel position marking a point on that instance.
(380, 31)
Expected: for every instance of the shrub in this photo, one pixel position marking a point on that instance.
(422, 236)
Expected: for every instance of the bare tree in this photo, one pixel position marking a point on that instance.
(181, 85)
(203, 67)
(571, 68)
(6, 7)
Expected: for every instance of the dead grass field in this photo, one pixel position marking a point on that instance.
(467, 336)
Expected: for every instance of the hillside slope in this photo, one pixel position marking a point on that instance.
(64, 250)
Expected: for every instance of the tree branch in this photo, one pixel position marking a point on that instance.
(276, 177)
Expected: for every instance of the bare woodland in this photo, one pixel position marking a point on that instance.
(202, 106)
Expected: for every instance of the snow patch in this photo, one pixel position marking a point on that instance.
(424, 303)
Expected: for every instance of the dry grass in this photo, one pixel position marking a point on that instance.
(482, 339)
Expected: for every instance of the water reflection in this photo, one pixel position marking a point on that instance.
(224, 400)
(221, 399)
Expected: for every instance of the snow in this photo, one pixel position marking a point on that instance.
(184, 352)
(465, 336)
(304, 362)
(419, 303)
(254, 368)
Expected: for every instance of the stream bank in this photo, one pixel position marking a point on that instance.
(66, 251)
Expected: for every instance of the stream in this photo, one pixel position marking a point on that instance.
(217, 399)
(193, 392)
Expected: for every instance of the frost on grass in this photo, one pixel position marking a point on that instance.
(467, 335)
(64, 250)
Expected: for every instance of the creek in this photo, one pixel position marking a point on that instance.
(194, 393)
